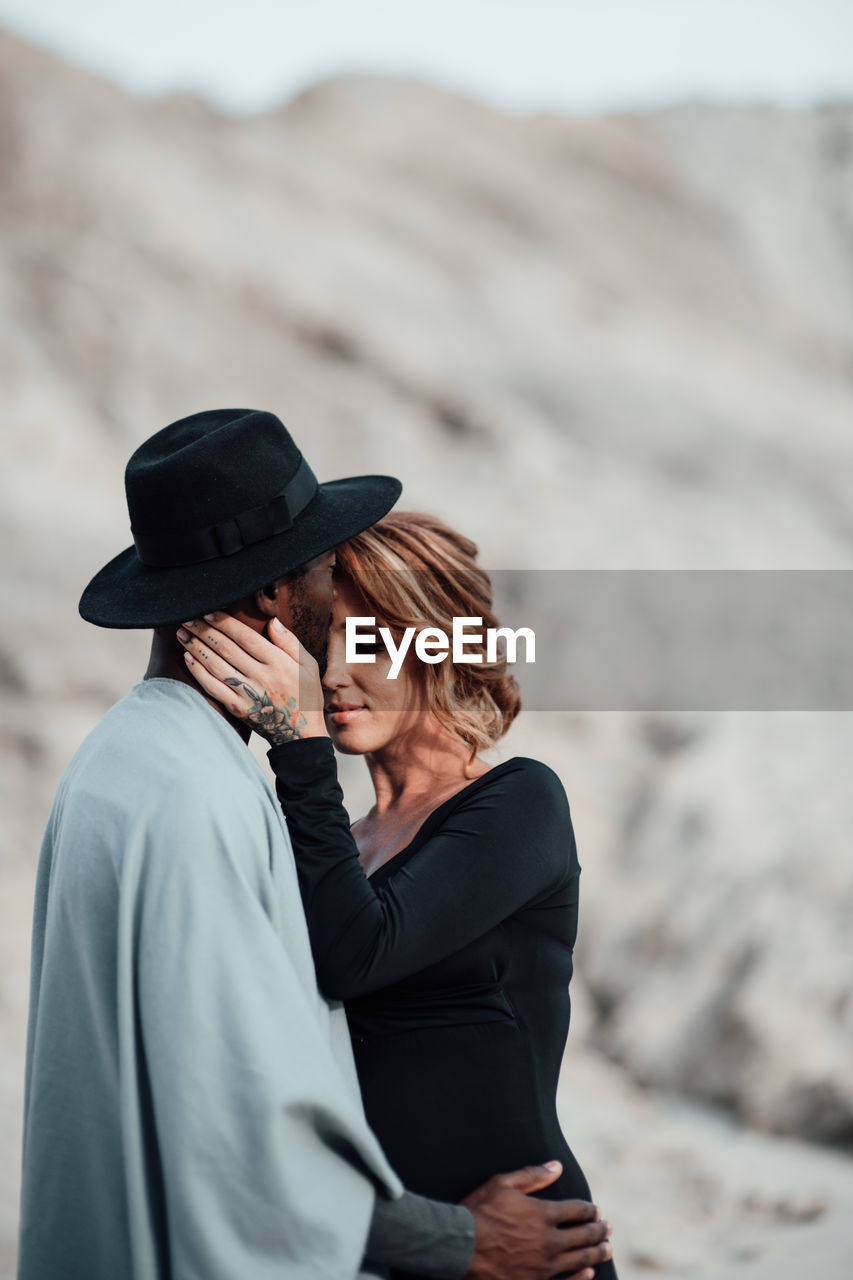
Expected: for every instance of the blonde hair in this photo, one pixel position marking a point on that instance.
(415, 571)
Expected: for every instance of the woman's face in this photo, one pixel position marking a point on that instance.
(365, 711)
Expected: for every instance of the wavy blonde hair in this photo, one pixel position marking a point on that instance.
(415, 571)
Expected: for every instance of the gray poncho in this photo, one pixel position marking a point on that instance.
(191, 1105)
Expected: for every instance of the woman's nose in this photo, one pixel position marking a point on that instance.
(336, 673)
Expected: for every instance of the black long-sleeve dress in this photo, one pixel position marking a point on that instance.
(454, 960)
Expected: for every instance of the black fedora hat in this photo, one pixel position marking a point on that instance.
(220, 504)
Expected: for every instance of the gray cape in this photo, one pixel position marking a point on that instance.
(192, 1109)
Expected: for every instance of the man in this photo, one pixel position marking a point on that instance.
(191, 1104)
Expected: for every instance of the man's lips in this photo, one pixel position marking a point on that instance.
(344, 713)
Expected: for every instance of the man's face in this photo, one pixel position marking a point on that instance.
(305, 604)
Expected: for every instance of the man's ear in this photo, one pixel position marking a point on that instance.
(251, 609)
(270, 599)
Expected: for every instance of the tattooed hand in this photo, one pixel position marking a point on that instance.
(275, 723)
(272, 685)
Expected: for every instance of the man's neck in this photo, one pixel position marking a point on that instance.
(166, 662)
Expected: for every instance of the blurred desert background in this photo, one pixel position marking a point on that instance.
(621, 341)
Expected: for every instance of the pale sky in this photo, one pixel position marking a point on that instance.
(584, 55)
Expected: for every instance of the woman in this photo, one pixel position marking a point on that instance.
(445, 919)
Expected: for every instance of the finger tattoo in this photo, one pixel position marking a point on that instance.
(278, 724)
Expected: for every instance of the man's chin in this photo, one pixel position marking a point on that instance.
(321, 653)
(312, 631)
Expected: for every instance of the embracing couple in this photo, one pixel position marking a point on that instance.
(264, 1045)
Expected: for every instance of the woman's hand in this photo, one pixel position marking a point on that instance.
(271, 685)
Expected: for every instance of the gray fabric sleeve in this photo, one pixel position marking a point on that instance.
(428, 1237)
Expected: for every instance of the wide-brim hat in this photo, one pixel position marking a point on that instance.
(222, 503)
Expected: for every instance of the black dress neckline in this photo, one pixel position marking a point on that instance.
(410, 848)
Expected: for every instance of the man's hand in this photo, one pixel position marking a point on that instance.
(522, 1239)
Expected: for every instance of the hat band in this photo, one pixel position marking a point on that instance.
(194, 546)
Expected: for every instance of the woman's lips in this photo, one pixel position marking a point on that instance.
(343, 715)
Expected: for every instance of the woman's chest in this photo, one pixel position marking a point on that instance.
(380, 840)
(380, 837)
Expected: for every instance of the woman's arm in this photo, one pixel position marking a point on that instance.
(505, 844)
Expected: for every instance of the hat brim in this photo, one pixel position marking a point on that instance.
(127, 594)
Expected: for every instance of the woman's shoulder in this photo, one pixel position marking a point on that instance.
(524, 774)
(523, 806)
(523, 789)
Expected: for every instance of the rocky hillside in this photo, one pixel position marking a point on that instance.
(617, 342)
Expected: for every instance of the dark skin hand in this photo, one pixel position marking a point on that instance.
(518, 1238)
